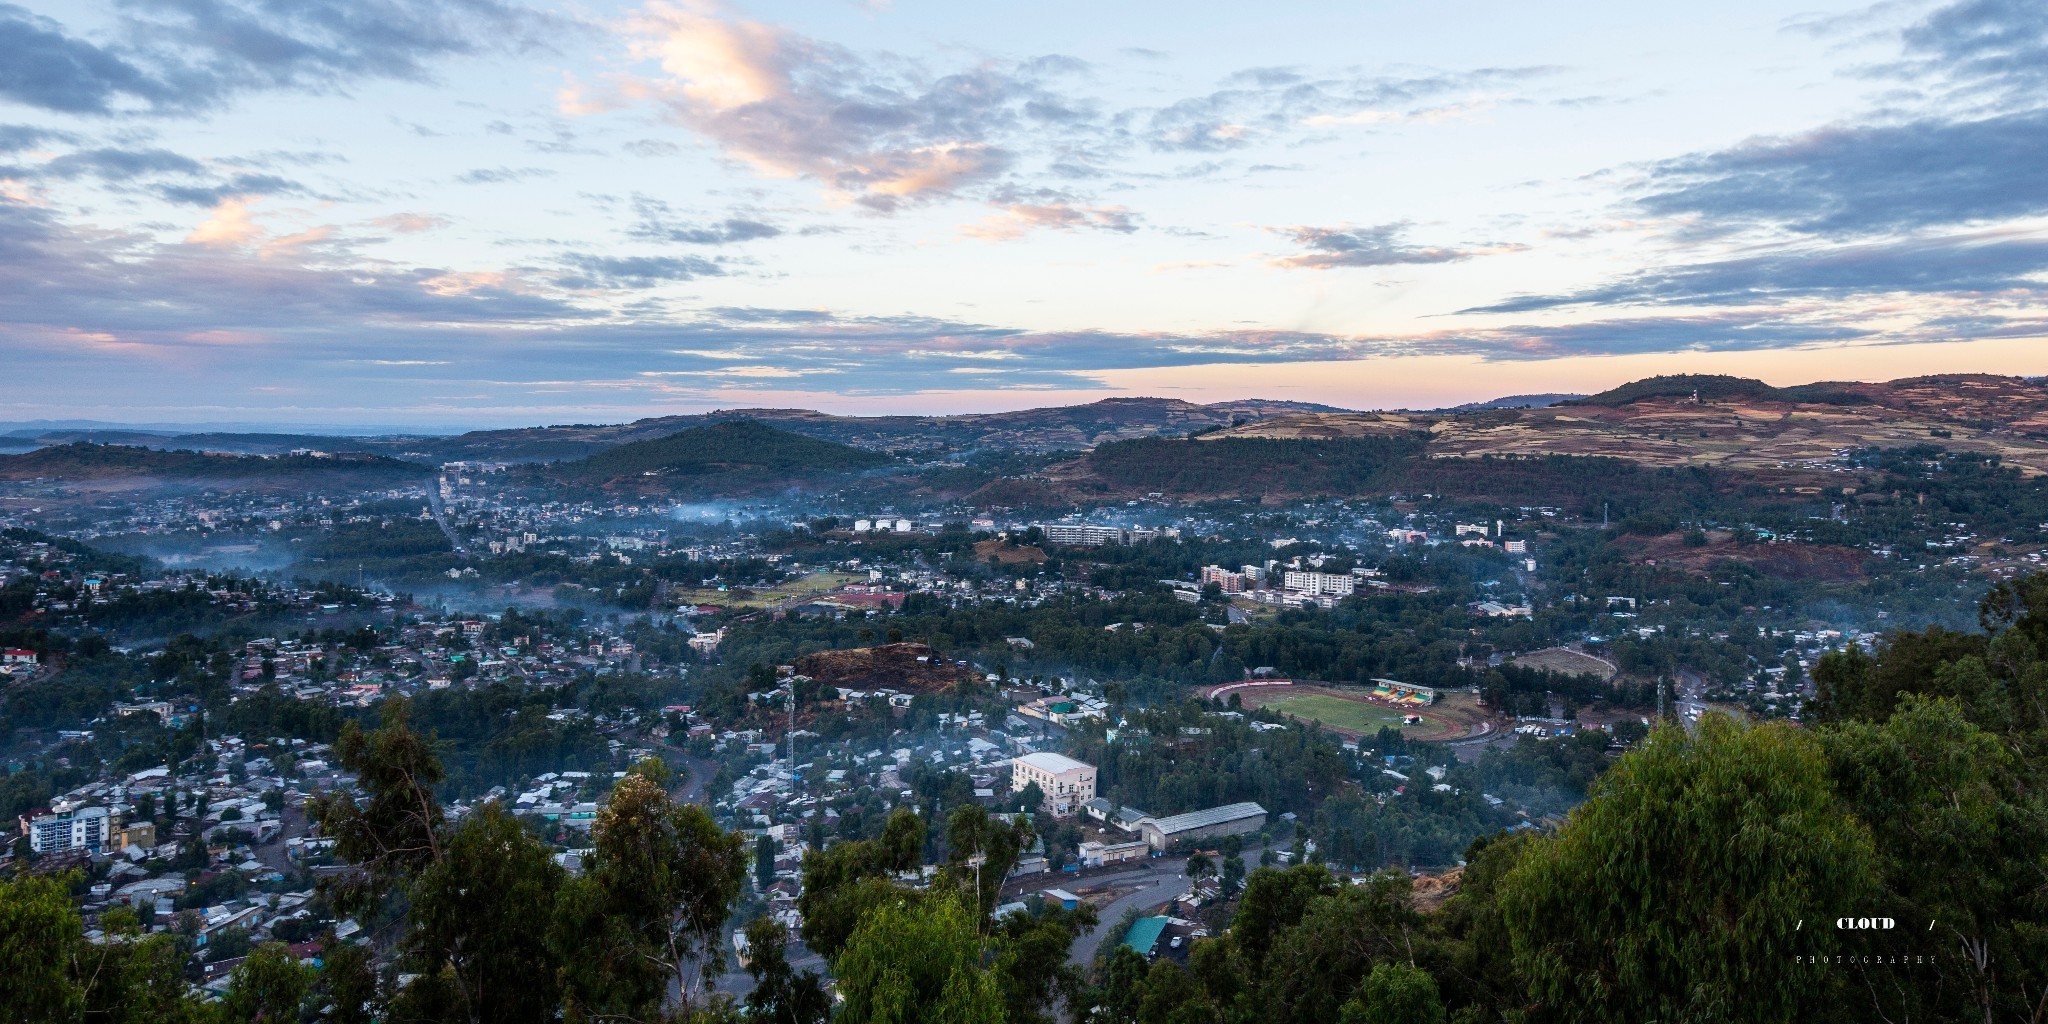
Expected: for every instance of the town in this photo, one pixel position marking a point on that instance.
(806, 667)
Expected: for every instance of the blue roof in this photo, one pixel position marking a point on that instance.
(1144, 934)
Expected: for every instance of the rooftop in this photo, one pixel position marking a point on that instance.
(1207, 817)
(1144, 933)
(1057, 764)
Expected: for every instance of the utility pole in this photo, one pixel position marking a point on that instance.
(977, 861)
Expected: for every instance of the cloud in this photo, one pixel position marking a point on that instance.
(658, 222)
(110, 164)
(888, 133)
(578, 100)
(1379, 245)
(238, 185)
(105, 313)
(185, 56)
(500, 175)
(122, 168)
(1728, 331)
(1017, 218)
(57, 277)
(1434, 114)
(412, 223)
(651, 148)
(1931, 204)
(17, 137)
(1263, 103)
(40, 66)
(1851, 180)
(882, 133)
(230, 224)
(1998, 47)
(1979, 263)
(591, 271)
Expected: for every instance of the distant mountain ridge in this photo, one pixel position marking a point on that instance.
(1517, 402)
(1055, 428)
(745, 454)
(1977, 409)
(1773, 436)
(1720, 387)
(85, 461)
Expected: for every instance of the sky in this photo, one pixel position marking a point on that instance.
(466, 213)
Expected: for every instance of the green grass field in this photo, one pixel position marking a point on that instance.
(1338, 712)
(814, 585)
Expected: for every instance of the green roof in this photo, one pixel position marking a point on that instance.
(1144, 934)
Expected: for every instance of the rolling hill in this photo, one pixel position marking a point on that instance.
(1735, 423)
(1645, 435)
(1517, 402)
(742, 454)
(1053, 429)
(83, 461)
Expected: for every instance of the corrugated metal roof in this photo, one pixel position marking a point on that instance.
(1144, 934)
(1205, 818)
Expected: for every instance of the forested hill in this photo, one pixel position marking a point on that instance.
(1049, 429)
(1733, 433)
(83, 461)
(742, 454)
(1279, 469)
(1056, 428)
(1666, 419)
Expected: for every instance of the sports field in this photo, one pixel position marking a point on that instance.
(806, 588)
(1570, 662)
(1336, 712)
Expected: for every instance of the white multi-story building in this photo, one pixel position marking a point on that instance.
(81, 828)
(1083, 535)
(1332, 584)
(1066, 783)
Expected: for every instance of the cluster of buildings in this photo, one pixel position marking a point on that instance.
(19, 661)
(50, 584)
(801, 786)
(1064, 710)
(886, 524)
(432, 655)
(584, 531)
(1088, 535)
(1067, 787)
(1289, 585)
(210, 515)
(216, 848)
